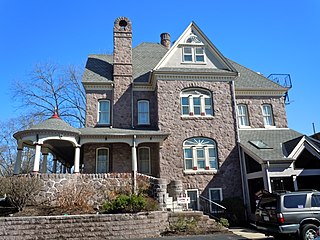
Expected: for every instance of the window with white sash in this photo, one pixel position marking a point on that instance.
(196, 102)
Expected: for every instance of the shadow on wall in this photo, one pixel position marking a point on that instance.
(228, 177)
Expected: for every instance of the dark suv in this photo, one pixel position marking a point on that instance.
(289, 213)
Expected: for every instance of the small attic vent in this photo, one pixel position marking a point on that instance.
(260, 144)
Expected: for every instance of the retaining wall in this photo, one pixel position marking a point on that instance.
(104, 226)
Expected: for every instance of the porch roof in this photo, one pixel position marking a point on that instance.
(106, 131)
(274, 139)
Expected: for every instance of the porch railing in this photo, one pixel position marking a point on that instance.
(211, 208)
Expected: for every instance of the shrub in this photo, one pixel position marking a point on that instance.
(130, 204)
(75, 197)
(20, 190)
(224, 222)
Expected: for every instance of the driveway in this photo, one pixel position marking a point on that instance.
(235, 234)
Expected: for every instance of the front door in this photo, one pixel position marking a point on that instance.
(193, 195)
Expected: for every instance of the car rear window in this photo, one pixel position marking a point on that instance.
(295, 201)
(269, 202)
(315, 200)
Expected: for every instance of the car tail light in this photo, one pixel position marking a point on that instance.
(280, 217)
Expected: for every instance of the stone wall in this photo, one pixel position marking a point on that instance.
(220, 127)
(104, 226)
(101, 185)
(255, 110)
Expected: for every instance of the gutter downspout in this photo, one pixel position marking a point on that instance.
(132, 126)
(238, 146)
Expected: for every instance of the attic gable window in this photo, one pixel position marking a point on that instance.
(193, 50)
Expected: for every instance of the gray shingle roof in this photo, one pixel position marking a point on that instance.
(249, 79)
(56, 124)
(144, 58)
(274, 138)
(147, 55)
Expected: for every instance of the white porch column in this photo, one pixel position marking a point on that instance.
(134, 165)
(37, 159)
(77, 160)
(17, 165)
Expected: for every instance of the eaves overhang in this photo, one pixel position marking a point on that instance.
(260, 92)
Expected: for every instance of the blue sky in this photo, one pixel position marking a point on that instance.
(266, 36)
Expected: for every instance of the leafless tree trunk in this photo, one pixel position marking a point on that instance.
(51, 88)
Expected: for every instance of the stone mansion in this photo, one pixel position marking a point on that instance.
(180, 111)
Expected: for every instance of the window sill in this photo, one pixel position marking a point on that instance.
(200, 172)
(244, 127)
(188, 117)
(194, 63)
(270, 126)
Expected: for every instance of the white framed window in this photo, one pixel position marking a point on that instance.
(267, 115)
(193, 54)
(193, 50)
(143, 112)
(144, 160)
(196, 102)
(104, 112)
(215, 196)
(243, 116)
(102, 160)
(200, 154)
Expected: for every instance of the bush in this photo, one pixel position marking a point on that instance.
(75, 197)
(129, 204)
(235, 211)
(224, 222)
(20, 190)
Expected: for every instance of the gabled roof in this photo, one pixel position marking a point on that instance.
(274, 138)
(224, 65)
(148, 57)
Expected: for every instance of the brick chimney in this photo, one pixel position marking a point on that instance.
(122, 72)
(165, 40)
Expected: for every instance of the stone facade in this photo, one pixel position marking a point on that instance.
(255, 111)
(220, 127)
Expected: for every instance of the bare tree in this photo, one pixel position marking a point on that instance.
(51, 88)
(8, 146)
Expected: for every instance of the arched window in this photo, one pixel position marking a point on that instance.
(144, 160)
(102, 160)
(104, 112)
(143, 112)
(194, 51)
(200, 154)
(267, 115)
(196, 102)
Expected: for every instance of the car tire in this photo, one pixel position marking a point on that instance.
(308, 232)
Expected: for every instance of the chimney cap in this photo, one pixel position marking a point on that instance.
(165, 40)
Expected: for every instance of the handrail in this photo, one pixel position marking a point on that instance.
(217, 204)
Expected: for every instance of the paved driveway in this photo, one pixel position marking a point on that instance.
(235, 234)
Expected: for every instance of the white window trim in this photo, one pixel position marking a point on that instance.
(246, 115)
(194, 54)
(195, 160)
(221, 196)
(193, 190)
(202, 96)
(108, 158)
(98, 112)
(272, 116)
(149, 160)
(147, 101)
